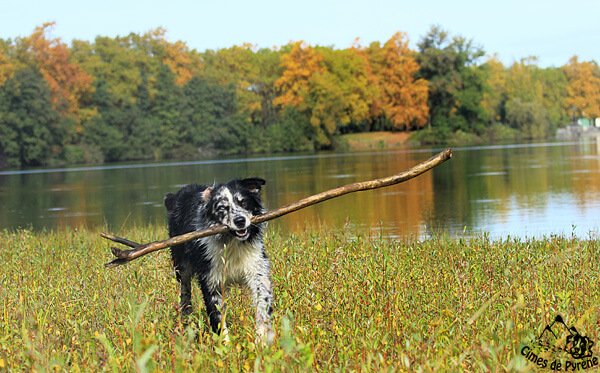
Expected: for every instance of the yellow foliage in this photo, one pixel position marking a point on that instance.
(583, 87)
(6, 68)
(180, 61)
(299, 65)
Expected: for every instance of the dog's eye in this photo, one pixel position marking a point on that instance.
(222, 208)
(244, 203)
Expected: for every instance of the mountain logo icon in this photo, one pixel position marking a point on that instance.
(576, 344)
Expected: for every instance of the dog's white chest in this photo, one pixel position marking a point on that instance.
(233, 263)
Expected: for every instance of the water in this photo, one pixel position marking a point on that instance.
(518, 190)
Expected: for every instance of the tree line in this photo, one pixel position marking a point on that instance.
(142, 97)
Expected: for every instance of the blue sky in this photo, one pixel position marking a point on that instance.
(551, 30)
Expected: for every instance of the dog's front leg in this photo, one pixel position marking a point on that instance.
(184, 277)
(260, 287)
(215, 309)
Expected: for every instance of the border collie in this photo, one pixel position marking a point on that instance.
(234, 257)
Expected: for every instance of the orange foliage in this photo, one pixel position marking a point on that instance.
(181, 63)
(402, 98)
(298, 67)
(583, 87)
(67, 81)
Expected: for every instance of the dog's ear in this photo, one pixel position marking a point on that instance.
(253, 184)
(206, 194)
(169, 201)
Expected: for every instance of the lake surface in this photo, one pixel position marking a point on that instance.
(520, 190)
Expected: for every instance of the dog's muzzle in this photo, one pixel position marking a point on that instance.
(244, 232)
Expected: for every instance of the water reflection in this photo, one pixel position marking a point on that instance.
(523, 190)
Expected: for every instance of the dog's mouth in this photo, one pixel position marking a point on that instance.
(242, 234)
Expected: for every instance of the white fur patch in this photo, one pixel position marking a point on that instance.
(235, 262)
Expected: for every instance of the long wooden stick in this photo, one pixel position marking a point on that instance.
(124, 256)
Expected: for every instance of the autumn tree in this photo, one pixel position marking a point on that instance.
(329, 86)
(493, 98)
(184, 63)
(67, 81)
(299, 66)
(401, 96)
(6, 66)
(583, 88)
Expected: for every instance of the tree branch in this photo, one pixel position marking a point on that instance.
(124, 256)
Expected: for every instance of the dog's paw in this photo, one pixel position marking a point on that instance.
(186, 309)
(264, 336)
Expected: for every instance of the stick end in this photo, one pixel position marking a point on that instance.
(115, 263)
(116, 251)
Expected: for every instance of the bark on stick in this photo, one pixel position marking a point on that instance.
(138, 250)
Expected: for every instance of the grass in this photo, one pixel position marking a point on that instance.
(345, 301)
(372, 140)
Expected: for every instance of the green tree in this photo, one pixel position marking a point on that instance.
(531, 118)
(137, 125)
(528, 88)
(342, 91)
(263, 86)
(103, 132)
(28, 123)
(456, 82)
(555, 91)
(237, 67)
(164, 119)
(210, 118)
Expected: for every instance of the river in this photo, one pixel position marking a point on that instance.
(520, 190)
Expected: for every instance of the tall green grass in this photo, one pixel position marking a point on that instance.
(344, 302)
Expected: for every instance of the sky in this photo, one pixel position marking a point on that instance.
(551, 30)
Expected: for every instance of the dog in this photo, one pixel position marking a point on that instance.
(234, 257)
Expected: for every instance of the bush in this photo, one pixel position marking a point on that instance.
(499, 132)
(531, 118)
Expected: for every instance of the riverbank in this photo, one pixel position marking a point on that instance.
(344, 301)
(496, 134)
(493, 135)
(373, 140)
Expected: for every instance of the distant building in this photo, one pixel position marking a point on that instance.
(584, 122)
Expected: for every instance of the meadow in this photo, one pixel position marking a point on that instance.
(345, 301)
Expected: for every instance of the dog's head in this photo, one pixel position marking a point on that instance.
(234, 204)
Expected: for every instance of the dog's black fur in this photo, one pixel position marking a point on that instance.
(240, 250)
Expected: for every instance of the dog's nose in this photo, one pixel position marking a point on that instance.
(240, 222)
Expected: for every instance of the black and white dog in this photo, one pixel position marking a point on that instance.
(234, 257)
